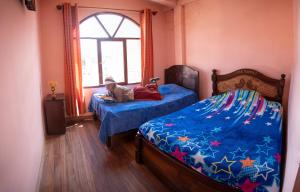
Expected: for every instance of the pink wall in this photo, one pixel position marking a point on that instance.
(21, 132)
(169, 38)
(52, 36)
(232, 34)
(293, 152)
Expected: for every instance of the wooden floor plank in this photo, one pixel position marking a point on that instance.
(77, 161)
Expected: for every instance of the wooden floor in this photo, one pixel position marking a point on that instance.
(77, 161)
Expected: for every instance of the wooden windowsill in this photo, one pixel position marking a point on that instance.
(99, 86)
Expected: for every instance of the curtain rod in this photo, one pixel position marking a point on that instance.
(60, 7)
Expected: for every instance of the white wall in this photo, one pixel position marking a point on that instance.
(21, 127)
(293, 142)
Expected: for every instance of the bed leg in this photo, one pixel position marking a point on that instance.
(109, 142)
(95, 116)
(139, 148)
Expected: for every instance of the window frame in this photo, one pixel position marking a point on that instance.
(110, 38)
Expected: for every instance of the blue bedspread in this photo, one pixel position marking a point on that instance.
(120, 117)
(233, 138)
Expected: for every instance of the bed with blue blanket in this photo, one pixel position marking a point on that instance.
(119, 118)
(234, 138)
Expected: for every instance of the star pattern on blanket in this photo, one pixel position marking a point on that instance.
(210, 152)
(203, 143)
(268, 123)
(216, 129)
(263, 170)
(263, 149)
(215, 143)
(273, 187)
(205, 136)
(199, 169)
(248, 186)
(270, 160)
(178, 154)
(150, 135)
(191, 145)
(223, 166)
(248, 171)
(247, 162)
(199, 158)
(239, 153)
(267, 139)
(169, 124)
(277, 157)
(183, 139)
(163, 137)
(276, 178)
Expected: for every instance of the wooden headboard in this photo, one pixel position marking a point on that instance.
(271, 89)
(184, 76)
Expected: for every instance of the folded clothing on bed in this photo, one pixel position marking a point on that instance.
(121, 117)
(233, 138)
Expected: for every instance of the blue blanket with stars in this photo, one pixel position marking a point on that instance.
(121, 117)
(233, 138)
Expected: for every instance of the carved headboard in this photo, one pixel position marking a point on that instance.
(184, 76)
(271, 89)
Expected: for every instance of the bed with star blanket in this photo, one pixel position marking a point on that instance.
(121, 117)
(233, 138)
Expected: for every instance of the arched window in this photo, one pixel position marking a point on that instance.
(110, 46)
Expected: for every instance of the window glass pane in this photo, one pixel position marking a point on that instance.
(89, 58)
(129, 29)
(92, 28)
(110, 22)
(113, 60)
(134, 61)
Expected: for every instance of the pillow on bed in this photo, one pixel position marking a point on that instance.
(170, 88)
(251, 101)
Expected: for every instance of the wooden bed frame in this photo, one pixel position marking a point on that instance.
(271, 89)
(182, 75)
(180, 177)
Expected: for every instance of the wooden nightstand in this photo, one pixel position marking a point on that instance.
(55, 114)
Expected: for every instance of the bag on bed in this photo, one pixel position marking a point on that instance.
(149, 92)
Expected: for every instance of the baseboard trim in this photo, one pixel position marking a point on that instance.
(73, 120)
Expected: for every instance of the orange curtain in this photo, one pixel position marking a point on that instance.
(147, 46)
(74, 97)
